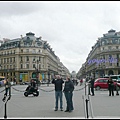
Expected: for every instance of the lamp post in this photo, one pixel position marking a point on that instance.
(48, 75)
(37, 72)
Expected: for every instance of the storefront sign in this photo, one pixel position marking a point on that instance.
(98, 61)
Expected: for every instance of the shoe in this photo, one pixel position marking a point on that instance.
(61, 109)
(66, 110)
(56, 110)
(70, 110)
(3, 99)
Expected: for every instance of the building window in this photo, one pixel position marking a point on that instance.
(34, 51)
(14, 59)
(1, 61)
(34, 66)
(109, 47)
(117, 47)
(27, 58)
(10, 59)
(21, 50)
(34, 58)
(14, 51)
(21, 66)
(4, 60)
(10, 66)
(27, 50)
(39, 66)
(27, 66)
(39, 58)
(21, 59)
(7, 60)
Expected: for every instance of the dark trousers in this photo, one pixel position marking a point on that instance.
(68, 96)
(6, 91)
(111, 90)
(92, 90)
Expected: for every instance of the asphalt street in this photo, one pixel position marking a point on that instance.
(85, 106)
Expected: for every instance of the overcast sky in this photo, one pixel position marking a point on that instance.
(71, 28)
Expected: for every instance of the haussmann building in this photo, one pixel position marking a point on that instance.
(104, 58)
(29, 57)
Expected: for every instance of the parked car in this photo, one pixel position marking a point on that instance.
(101, 83)
(116, 78)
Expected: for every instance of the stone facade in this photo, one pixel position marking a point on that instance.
(29, 57)
(104, 58)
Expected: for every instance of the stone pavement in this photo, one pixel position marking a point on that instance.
(99, 106)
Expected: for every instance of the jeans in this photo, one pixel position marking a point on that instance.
(58, 95)
(68, 96)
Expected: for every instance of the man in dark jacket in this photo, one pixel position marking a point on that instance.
(110, 86)
(58, 82)
(68, 92)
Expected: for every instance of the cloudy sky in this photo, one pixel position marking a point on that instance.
(71, 28)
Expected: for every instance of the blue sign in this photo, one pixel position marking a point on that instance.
(98, 61)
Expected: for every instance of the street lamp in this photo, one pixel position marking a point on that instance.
(37, 73)
(48, 75)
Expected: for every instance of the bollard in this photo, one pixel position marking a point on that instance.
(87, 108)
(5, 115)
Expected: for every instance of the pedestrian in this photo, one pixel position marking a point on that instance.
(68, 92)
(7, 88)
(48, 82)
(110, 86)
(58, 82)
(92, 85)
(81, 81)
(32, 85)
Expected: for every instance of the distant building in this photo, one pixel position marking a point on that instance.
(73, 75)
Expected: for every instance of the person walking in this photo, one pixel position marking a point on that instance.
(58, 82)
(81, 82)
(68, 92)
(110, 86)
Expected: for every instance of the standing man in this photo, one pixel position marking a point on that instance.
(111, 86)
(58, 82)
(92, 85)
(7, 88)
(68, 91)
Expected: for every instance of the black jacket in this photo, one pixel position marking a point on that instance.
(92, 82)
(69, 86)
(33, 84)
(58, 84)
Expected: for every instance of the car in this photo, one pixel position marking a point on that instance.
(116, 78)
(101, 83)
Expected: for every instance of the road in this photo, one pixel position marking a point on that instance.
(99, 106)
